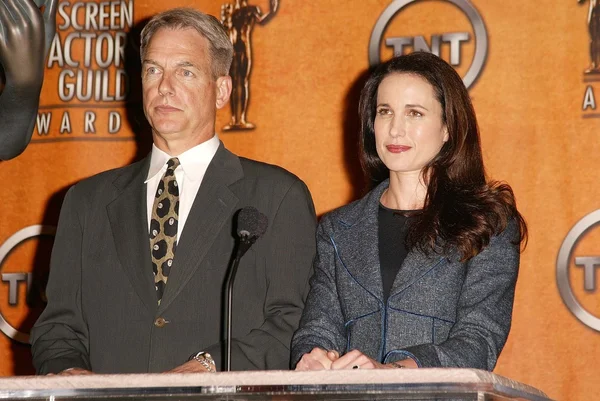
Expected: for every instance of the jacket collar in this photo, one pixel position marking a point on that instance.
(357, 245)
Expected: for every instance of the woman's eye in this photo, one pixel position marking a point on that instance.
(415, 113)
(384, 111)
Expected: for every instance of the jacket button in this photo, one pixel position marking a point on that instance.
(160, 322)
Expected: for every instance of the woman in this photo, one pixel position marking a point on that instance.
(420, 272)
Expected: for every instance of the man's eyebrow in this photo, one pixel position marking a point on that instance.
(185, 64)
(180, 64)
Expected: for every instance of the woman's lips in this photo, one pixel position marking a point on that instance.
(398, 148)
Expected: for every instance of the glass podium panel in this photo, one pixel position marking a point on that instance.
(409, 384)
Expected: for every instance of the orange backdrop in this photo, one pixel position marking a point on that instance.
(536, 109)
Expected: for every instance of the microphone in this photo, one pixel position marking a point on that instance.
(251, 225)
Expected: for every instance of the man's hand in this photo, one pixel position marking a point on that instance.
(72, 372)
(317, 359)
(192, 366)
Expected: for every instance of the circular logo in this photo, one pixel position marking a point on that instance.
(11, 243)
(481, 41)
(562, 269)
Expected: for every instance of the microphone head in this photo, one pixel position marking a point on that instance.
(251, 222)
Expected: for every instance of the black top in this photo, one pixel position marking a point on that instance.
(393, 229)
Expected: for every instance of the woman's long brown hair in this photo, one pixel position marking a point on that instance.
(462, 209)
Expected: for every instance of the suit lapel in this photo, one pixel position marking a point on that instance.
(129, 224)
(358, 245)
(212, 208)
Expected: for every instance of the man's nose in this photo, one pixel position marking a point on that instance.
(165, 88)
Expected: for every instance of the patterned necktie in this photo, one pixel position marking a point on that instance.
(163, 227)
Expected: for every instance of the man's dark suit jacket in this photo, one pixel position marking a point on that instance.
(102, 311)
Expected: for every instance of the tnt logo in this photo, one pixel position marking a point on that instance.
(576, 268)
(460, 37)
(24, 260)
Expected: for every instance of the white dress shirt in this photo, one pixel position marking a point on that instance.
(189, 175)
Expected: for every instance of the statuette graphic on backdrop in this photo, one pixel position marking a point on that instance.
(593, 21)
(239, 19)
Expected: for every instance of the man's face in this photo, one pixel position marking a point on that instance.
(180, 94)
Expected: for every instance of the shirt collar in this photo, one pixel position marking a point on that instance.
(194, 161)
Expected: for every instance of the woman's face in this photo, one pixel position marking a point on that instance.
(409, 131)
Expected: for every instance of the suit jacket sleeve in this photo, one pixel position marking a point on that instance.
(484, 312)
(322, 323)
(288, 253)
(59, 338)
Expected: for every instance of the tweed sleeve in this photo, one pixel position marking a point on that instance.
(322, 322)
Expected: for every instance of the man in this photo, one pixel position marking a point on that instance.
(141, 252)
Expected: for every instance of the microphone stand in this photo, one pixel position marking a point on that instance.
(245, 243)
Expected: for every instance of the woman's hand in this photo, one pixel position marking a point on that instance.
(357, 360)
(317, 359)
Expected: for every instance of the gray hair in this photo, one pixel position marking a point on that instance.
(220, 47)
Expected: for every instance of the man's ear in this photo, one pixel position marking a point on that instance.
(223, 90)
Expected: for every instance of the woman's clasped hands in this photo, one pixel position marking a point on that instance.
(320, 359)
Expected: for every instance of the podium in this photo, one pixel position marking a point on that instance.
(392, 384)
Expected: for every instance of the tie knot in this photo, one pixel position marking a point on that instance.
(172, 163)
